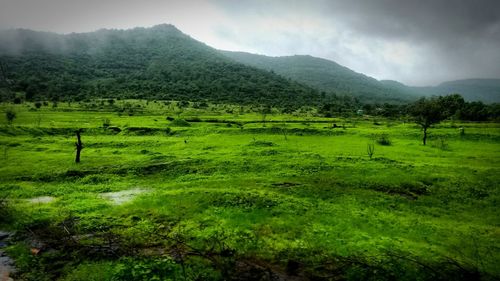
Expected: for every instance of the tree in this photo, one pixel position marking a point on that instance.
(79, 146)
(10, 114)
(426, 112)
(452, 104)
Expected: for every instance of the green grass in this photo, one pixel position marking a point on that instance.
(268, 194)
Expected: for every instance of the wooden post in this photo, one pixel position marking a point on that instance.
(79, 146)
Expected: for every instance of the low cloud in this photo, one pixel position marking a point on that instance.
(416, 42)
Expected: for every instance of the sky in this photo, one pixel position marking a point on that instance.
(417, 42)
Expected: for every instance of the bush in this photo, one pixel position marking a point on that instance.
(441, 144)
(370, 150)
(147, 269)
(261, 143)
(5, 213)
(384, 140)
(106, 122)
(10, 114)
(180, 123)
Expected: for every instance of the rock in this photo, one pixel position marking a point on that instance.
(4, 235)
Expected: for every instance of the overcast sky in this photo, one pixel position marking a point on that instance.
(418, 42)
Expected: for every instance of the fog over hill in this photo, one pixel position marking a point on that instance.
(163, 63)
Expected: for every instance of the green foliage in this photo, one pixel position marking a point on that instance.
(384, 139)
(10, 115)
(324, 75)
(241, 202)
(158, 269)
(370, 149)
(155, 63)
(106, 122)
(179, 123)
(5, 209)
(428, 111)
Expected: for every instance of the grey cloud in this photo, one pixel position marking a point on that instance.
(417, 42)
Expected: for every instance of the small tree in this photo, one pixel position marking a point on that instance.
(427, 112)
(10, 114)
(370, 149)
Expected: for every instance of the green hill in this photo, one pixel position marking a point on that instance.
(159, 62)
(487, 90)
(325, 75)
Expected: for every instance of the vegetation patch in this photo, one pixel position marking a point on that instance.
(262, 143)
(245, 200)
(179, 123)
(145, 131)
(409, 190)
(384, 139)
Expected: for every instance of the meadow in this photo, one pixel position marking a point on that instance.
(224, 192)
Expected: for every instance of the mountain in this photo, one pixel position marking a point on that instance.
(155, 63)
(485, 90)
(325, 75)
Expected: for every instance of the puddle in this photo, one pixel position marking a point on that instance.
(41, 200)
(6, 263)
(124, 196)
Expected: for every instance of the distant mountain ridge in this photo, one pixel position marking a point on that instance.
(487, 90)
(161, 62)
(331, 77)
(325, 75)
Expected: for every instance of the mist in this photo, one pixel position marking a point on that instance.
(417, 43)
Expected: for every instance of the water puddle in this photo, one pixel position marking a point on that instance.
(124, 196)
(41, 200)
(6, 263)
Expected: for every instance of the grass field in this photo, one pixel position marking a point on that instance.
(232, 194)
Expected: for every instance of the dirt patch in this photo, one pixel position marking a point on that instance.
(124, 196)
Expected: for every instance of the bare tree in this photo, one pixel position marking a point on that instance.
(79, 146)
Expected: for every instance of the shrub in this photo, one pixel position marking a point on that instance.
(370, 150)
(5, 213)
(180, 123)
(106, 122)
(261, 143)
(384, 140)
(10, 114)
(441, 144)
(147, 269)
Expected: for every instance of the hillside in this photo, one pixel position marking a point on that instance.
(485, 90)
(325, 75)
(159, 62)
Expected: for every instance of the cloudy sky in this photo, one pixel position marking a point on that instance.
(418, 42)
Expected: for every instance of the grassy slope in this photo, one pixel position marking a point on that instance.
(427, 203)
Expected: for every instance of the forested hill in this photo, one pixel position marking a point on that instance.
(325, 75)
(159, 62)
(485, 90)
